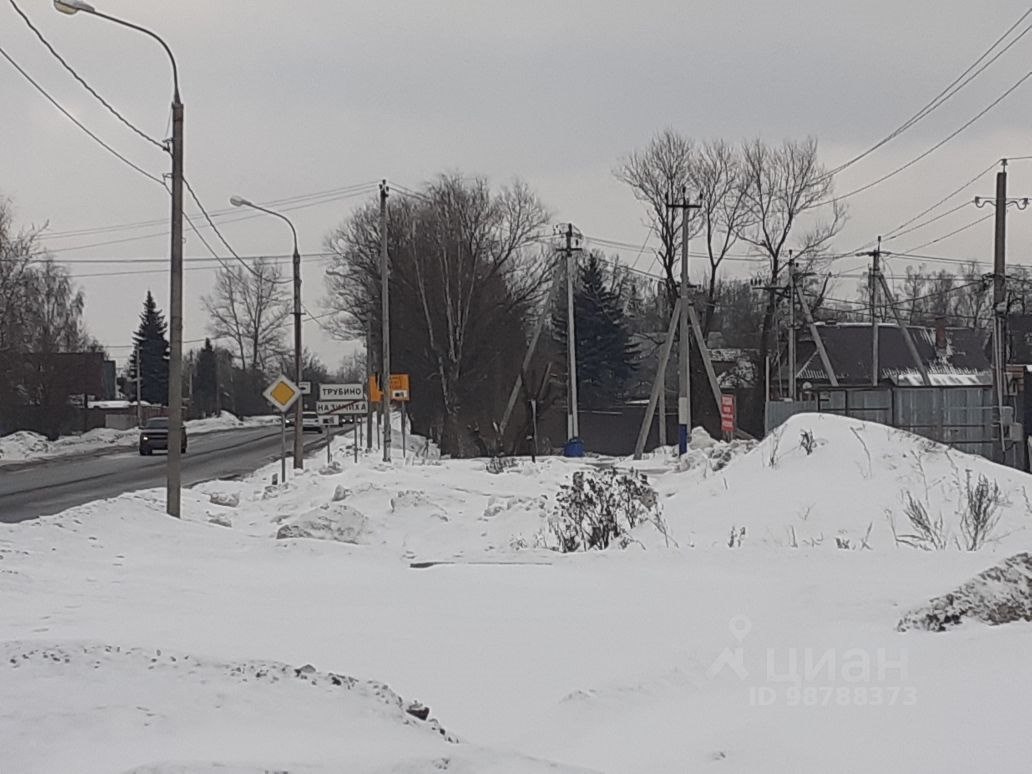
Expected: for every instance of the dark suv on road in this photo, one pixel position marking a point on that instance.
(154, 435)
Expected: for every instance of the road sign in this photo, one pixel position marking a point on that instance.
(342, 407)
(282, 393)
(306, 388)
(341, 391)
(399, 388)
(727, 413)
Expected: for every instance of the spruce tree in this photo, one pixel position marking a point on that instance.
(205, 386)
(605, 354)
(152, 346)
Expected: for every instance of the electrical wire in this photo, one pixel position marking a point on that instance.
(302, 201)
(76, 121)
(926, 153)
(895, 232)
(944, 95)
(82, 81)
(950, 234)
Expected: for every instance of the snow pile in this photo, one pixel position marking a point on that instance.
(824, 480)
(227, 421)
(144, 709)
(25, 446)
(1002, 594)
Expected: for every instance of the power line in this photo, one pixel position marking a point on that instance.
(82, 81)
(227, 245)
(944, 95)
(950, 234)
(77, 122)
(302, 201)
(928, 152)
(895, 232)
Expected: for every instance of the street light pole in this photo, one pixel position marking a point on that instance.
(299, 456)
(175, 357)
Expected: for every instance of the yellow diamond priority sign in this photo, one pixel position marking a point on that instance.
(282, 393)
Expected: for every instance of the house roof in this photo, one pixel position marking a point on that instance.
(849, 349)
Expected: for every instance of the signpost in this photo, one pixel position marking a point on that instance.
(399, 389)
(282, 394)
(727, 415)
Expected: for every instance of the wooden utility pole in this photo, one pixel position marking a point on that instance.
(385, 319)
(907, 338)
(368, 379)
(139, 389)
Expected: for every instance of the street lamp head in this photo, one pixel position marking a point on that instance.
(239, 201)
(71, 7)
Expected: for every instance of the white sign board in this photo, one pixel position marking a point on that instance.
(306, 388)
(329, 392)
(342, 407)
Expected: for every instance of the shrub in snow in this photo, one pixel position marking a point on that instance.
(594, 510)
(226, 499)
(928, 533)
(981, 511)
(999, 595)
(738, 535)
(807, 442)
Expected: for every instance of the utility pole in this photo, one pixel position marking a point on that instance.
(368, 380)
(572, 424)
(1001, 202)
(385, 320)
(684, 400)
(874, 281)
(175, 357)
(299, 444)
(791, 328)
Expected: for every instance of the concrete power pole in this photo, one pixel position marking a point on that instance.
(684, 400)
(572, 422)
(385, 320)
(1000, 291)
(175, 356)
(999, 340)
(874, 280)
(368, 379)
(791, 328)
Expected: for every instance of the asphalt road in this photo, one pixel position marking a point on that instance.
(48, 487)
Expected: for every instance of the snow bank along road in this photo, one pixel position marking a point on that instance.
(51, 486)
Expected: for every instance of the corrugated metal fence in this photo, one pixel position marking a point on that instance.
(961, 417)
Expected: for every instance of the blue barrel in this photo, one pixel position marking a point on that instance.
(574, 448)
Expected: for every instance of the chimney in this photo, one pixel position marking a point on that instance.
(940, 334)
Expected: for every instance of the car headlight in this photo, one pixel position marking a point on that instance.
(145, 438)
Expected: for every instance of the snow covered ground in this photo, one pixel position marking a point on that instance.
(24, 445)
(132, 642)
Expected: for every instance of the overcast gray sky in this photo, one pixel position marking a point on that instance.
(291, 98)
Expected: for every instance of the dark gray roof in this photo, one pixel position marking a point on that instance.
(849, 349)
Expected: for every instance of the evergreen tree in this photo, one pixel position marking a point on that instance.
(205, 386)
(152, 346)
(605, 353)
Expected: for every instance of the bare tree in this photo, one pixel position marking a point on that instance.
(724, 214)
(249, 307)
(657, 174)
(781, 184)
(466, 272)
